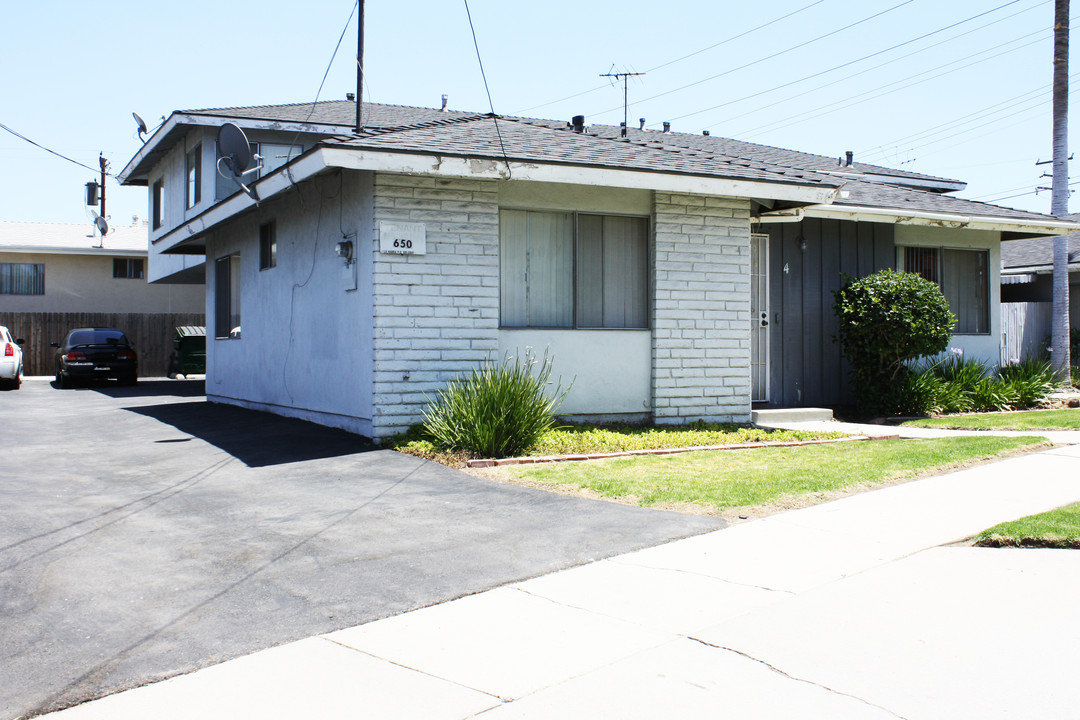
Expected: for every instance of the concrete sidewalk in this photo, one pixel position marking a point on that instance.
(1059, 437)
(856, 608)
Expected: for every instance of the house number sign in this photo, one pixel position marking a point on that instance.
(402, 238)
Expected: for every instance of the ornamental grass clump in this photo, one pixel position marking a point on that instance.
(498, 409)
(953, 384)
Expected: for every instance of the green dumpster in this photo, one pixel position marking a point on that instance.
(189, 354)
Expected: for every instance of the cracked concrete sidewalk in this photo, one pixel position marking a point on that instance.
(859, 608)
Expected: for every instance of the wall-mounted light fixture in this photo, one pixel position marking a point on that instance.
(344, 250)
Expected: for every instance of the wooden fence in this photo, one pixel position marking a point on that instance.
(1025, 330)
(151, 333)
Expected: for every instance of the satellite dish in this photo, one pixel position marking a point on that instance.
(235, 154)
(141, 123)
(101, 225)
(234, 149)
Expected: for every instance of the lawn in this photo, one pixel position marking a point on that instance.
(593, 439)
(1055, 529)
(757, 481)
(1027, 420)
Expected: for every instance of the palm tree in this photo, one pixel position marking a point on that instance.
(1059, 199)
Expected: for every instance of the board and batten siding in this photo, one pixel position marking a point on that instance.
(806, 367)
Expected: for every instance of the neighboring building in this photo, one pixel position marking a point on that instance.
(60, 268)
(1027, 272)
(674, 277)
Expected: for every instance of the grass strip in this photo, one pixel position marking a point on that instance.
(1054, 529)
(1027, 420)
(717, 481)
(592, 439)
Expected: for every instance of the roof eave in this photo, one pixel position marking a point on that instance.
(1030, 228)
(324, 158)
(136, 172)
(38, 250)
(574, 173)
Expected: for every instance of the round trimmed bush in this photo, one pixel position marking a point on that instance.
(887, 319)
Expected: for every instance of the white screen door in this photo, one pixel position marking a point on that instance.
(759, 318)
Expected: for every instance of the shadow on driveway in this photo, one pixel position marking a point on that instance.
(255, 438)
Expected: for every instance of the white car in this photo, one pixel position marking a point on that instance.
(11, 364)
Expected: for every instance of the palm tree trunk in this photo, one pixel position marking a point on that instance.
(1059, 337)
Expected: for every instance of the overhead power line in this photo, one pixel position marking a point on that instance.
(769, 57)
(48, 150)
(684, 57)
(846, 103)
(483, 75)
(858, 60)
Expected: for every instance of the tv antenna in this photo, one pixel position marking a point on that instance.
(624, 76)
(235, 154)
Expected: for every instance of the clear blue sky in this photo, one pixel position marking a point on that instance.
(971, 102)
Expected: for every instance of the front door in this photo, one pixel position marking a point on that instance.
(759, 317)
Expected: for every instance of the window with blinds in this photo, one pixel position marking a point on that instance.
(964, 278)
(22, 278)
(573, 270)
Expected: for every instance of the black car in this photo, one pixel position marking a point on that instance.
(89, 353)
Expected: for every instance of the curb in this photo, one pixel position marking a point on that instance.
(491, 462)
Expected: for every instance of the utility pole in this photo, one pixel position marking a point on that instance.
(1059, 198)
(104, 164)
(360, 71)
(625, 95)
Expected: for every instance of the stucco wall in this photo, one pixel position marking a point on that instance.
(608, 372)
(306, 344)
(985, 348)
(85, 283)
(701, 309)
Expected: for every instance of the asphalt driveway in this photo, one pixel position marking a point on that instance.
(146, 533)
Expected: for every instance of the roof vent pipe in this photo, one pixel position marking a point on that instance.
(445, 102)
(667, 126)
(578, 122)
(849, 158)
(641, 123)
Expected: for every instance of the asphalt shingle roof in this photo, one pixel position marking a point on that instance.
(334, 112)
(478, 136)
(406, 129)
(1039, 252)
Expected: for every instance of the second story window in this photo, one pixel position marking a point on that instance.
(22, 278)
(128, 268)
(157, 203)
(194, 176)
(267, 246)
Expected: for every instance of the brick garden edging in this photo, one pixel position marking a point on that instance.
(662, 451)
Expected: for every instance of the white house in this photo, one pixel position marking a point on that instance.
(674, 277)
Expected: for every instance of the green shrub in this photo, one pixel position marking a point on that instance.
(952, 384)
(497, 410)
(1031, 379)
(923, 393)
(886, 320)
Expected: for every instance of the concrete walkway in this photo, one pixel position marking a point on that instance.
(1060, 437)
(857, 608)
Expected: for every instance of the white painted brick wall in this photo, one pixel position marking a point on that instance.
(436, 315)
(701, 309)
